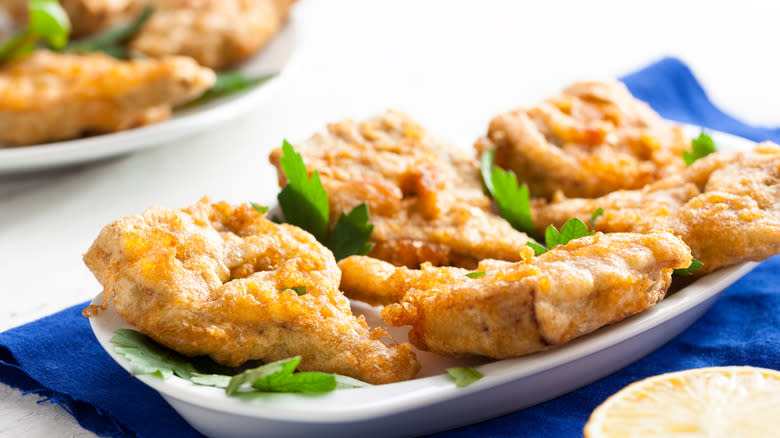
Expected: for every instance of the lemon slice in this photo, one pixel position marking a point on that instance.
(717, 402)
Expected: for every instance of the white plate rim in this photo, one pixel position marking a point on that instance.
(361, 404)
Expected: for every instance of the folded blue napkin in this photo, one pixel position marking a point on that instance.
(58, 357)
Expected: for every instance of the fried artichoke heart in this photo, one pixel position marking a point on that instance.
(217, 280)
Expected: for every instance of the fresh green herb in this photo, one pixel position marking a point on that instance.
(48, 23)
(693, 267)
(228, 83)
(112, 42)
(147, 357)
(350, 233)
(304, 203)
(573, 229)
(700, 147)
(259, 208)
(592, 221)
(464, 376)
(475, 274)
(486, 167)
(300, 290)
(280, 376)
(513, 201)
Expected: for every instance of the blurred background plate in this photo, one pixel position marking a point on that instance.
(274, 57)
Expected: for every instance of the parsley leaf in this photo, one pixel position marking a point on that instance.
(513, 201)
(300, 290)
(350, 233)
(303, 200)
(475, 274)
(148, 357)
(48, 23)
(259, 208)
(574, 228)
(304, 203)
(486, 168)
(231, 82)
(112, 42)
(693, 267)
(700, 147)
(538, 249)
(464, 376)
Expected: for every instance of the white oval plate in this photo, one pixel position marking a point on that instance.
(432, 402)
(274, 57)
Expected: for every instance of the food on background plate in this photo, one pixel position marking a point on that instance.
(509, 309)
(225, 282)
(86, 16)
(735, 402)
(725, 206)
(216, 33)
(425, 197)
(592, 139)
(50, 96)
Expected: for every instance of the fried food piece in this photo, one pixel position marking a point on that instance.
(217, 33)
(57, 96)
(425, 197)
(86, 16)
(216, 280)
(520, 308)
(725, 206)
(592, 139)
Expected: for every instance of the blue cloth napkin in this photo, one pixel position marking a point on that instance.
(58, 357)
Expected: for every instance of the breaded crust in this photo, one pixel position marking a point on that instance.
(216, 33)
(592, 139)
(51, 96)
(425, 197)
(520, 308)
(216, 280)
(725, 206)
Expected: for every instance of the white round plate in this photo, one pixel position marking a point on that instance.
(274, 57)
(432, 402)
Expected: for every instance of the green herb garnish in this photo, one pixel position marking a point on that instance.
(231, 82)
(304, 203)
(259, 208)
(147, 357)
(112, 42)
(574, 228)
(513, 201)
(48, 23)
(700, 147)
(464, 376)
(475, 274)
(300, 290)
(592, 221)
(693, 267)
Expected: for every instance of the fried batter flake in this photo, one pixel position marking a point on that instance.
(86, 16)
(57, 96)
(520, 308)
(216, 33)
(725, 206)
(425, 197)
(216, 280)
(592, 139)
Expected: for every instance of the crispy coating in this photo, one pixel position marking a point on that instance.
(215, 280)
(216, 33)
(520, 308)
(726, 207)
(86, 16)
(425, 197)
(592, 139)
(57, 96)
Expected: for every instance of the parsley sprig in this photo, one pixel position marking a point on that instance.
(464, 376)
(693, 267)
(48, 23)
(574, 228)
(113, 42)
(147, 357)
(513, 200)
(701, 146)
(304, 203)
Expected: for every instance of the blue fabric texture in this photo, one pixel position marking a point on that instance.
(59, 358)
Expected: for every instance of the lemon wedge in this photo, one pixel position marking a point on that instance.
(717, 402)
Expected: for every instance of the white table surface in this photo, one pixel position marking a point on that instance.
(450, 64)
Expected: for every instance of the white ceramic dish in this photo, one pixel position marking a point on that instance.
(275, 57)
(432, 402)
